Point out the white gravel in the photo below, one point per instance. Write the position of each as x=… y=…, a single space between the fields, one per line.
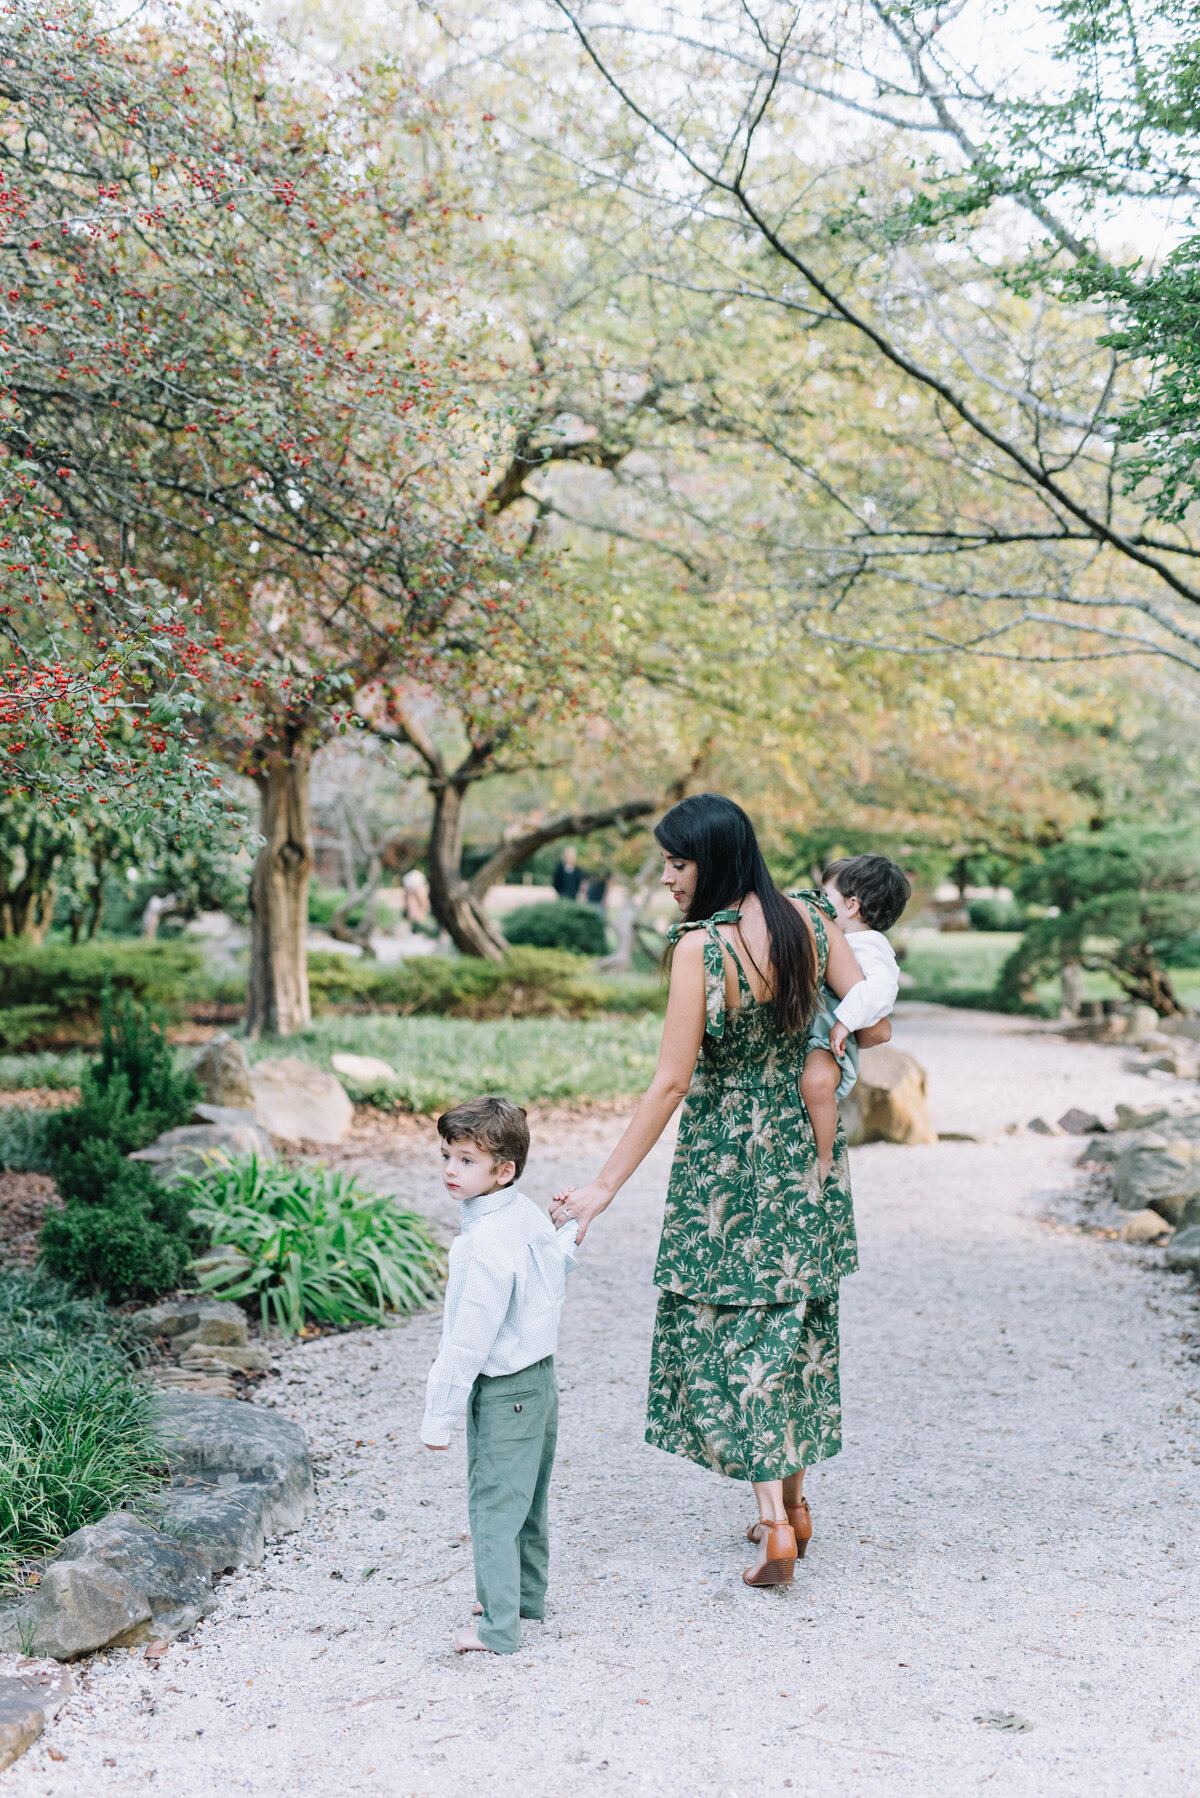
x=1010 y=1529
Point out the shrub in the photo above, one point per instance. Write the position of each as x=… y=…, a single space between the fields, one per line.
x=20 y=1073
x=528 y=982
x=996 y=914
x=23 y=1145
x=558 y=925
x=311 y=1244
x=51 y=987
x=77 y=1436
x=122 y=1233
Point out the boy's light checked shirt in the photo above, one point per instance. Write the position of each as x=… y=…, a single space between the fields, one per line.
x=504 y=1297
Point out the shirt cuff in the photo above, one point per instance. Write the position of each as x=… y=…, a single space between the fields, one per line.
x=436 y=1430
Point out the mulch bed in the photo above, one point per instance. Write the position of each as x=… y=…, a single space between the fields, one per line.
x=24 y=1200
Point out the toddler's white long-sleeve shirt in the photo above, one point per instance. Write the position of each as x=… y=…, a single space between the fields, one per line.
x=504 y=1297
x=873 y=998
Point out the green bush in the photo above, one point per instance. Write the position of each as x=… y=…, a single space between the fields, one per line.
x=122 y=1233
x=77 y=1437
x=528 y=982
x=996 y=914
x=55 y=987
x=558 y=925
x=311 y=1244
x=23 y=1145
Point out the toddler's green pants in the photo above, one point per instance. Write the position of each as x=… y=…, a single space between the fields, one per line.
x=512 y=1428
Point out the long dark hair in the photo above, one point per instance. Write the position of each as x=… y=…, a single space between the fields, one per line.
x=717 y=835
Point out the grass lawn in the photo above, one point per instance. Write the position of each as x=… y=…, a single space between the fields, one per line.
x=439 y=1061
x=955 y=964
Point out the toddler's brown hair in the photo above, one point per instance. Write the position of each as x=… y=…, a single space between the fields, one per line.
x=496 y=1124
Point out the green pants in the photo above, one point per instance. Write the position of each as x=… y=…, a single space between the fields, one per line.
x=512 y=1429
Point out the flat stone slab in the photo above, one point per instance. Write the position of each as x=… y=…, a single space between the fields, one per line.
x=189 y=1149
x=27 y=1699
x=186 y=1322
x=239 y=1475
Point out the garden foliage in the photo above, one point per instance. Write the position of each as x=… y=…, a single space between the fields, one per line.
x=77 y=1436
x=558 y=925
x=312 y=1245
x=121 y=1233
x=57 y=989
x=529 y=982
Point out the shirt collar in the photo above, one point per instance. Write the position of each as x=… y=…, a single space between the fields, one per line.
x=487 y=1202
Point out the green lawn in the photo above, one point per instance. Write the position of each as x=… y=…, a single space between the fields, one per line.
x=439 y=1061
x=958 y=964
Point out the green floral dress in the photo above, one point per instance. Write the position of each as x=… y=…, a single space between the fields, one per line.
x=744 y=1364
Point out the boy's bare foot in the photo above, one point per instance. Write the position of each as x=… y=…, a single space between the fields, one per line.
x=468 y=1640
x=477 y=1609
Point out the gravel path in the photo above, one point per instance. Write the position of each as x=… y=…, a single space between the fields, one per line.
x=1009 y=1533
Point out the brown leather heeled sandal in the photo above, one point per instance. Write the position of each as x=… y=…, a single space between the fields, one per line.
x=777 y=1553
x=800 y=1518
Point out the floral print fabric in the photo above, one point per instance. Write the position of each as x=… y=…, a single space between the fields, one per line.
x=750 y=1390
x=745 y=1356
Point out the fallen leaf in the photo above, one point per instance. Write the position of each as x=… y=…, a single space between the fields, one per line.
x=56 y=1754
x=156 y=1650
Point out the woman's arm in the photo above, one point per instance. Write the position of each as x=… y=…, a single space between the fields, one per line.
x=683 y=1033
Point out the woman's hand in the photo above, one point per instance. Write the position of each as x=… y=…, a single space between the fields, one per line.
x=582 y=1203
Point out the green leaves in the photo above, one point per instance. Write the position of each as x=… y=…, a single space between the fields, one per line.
x=312 y=1245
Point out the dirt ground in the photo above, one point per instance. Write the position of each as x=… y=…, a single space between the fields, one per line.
x=1001 y=1592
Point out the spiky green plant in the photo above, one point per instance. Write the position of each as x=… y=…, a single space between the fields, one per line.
x=313 y=1245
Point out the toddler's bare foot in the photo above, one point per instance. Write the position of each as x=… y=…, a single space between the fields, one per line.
x=468 y=1640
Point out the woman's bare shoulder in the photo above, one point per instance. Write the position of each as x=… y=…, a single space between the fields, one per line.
x=689 y=950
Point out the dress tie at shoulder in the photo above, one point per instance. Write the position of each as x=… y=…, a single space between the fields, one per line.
x=714 y=965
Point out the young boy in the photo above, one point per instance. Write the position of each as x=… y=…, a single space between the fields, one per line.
x=504 y=1297
x=868 y=893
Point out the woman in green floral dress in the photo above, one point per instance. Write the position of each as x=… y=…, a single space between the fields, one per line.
x=744 y=1364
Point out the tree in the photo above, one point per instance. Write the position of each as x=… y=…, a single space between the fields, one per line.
x=1125 y=900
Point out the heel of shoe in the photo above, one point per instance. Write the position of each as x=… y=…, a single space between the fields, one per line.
x=801 y=1546
x=773 y=1573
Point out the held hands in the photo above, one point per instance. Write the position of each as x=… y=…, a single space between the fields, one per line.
x=582 y=1203
x=837 y=1040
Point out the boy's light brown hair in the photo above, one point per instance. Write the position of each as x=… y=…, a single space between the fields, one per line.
x=495 y=1124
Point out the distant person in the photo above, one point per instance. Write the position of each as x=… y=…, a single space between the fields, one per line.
x=508 y=1277
x=568 y=876
x=868 y=894
x=416 y=897
x=597 y=890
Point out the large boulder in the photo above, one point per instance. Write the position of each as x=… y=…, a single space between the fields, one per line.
x=299 y=1102
x=172 y=1578
x=224 y=1073
x=239 y=1475
x=369 y=1072
x=1183 y=1251
x=192 y=1147
x=889 y=1102
x=1159 y=1170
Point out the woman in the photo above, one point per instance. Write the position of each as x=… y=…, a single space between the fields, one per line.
x=744 y=1364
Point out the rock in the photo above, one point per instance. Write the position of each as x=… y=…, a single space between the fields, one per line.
x=27 y=1699
x=1159 y=1170
x=250 y=1360
x=889 y=1102
x=366 y=1071
x=1100 y=1152
x=1080 y=1123
x=1040 y=1127
x=190 y=1148
x=230 y=1115
x=224 y=1073
x=187 y=1321
x=1141 y=1023
x=1183 y=1251
x=1185 y=1027
x=239 y=1475
x=1130 y=1118
x=80 y=1606
x=172 y=1578
x=1144 y=1226
x=299 y=1102
x=212 y=1382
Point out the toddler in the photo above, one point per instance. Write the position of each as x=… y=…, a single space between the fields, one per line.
x=504 y=1296
x=868 y=893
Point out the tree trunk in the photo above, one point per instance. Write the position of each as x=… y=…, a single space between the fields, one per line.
x=633 y=908
x=1146 y=982
x=1071 y=974
x=279 y=1004
x=27 y=909
x=454 y=906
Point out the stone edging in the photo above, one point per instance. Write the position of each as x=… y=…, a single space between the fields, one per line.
x=239 y=1476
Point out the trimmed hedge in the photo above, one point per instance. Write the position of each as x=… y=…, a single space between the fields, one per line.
x=560 y=924
x=55 y=988
x=528 y=983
